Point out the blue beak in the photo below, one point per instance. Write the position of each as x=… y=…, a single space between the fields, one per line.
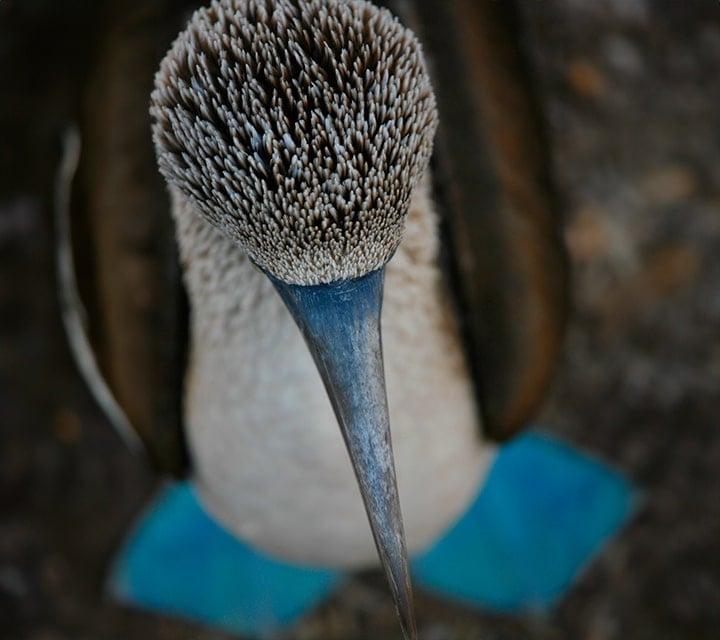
x=341 y=325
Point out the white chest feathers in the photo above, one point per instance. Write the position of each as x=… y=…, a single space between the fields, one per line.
x=268 y=456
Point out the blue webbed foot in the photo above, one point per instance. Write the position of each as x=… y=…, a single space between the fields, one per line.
x=541 y=516
x=179 y=561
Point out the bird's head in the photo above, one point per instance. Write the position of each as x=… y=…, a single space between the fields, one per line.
x=299 y=129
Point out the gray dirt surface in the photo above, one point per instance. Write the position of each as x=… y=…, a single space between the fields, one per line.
x=631 y=92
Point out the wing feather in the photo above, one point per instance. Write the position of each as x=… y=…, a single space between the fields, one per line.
x=123 y=241
x=503 y=222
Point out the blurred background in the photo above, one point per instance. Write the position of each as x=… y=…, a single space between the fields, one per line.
x=631 y=95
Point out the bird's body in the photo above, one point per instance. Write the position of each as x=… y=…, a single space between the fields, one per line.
x=292 y=135
x=268 y=457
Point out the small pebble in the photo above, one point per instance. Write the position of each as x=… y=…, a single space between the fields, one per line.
x=66 y=426
x=623 y=56
x=669 y=184
x=586 y=235
x=585 y=79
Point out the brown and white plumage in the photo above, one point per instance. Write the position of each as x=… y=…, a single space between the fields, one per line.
x=419 y=328
x=299 y=132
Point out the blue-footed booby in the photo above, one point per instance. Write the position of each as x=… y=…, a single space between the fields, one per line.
x=294 y=138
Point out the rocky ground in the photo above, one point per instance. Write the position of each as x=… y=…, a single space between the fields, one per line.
x=631 y=91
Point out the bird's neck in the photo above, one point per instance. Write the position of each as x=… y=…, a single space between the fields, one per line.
x=258 y=415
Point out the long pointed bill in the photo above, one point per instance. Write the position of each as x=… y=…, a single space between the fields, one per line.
x=341 y=325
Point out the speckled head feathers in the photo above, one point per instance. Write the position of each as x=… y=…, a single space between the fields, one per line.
x=299 y=128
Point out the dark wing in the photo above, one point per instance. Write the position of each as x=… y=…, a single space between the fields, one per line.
x=503 y=222
x=121 y=239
